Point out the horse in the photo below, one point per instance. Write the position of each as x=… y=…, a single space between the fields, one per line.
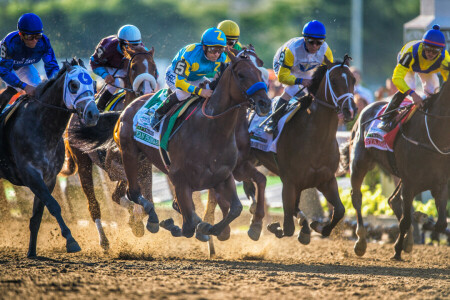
x=140 y=80
x=32 y=150
x=307 y=152
x=422 y=145
x=203 y=150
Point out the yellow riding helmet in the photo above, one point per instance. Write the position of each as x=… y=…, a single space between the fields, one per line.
x=230 y=28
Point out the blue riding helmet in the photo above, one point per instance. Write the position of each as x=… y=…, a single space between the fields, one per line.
x=214 y=37
x=434 y=37
x=30 y=24
x=314 y=29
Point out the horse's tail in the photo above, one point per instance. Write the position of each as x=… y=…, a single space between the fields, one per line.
x=98 y=137
x=69 y=167
x=344 y=162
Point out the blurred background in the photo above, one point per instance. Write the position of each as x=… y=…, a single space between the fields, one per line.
x=75 y=27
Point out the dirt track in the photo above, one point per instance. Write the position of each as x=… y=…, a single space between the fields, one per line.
x=160 y=267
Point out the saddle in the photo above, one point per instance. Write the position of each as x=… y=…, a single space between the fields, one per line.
x=115 y=100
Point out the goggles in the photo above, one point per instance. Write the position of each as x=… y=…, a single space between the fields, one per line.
x=30 y=37
x=215 y=50
x=315 y=42
x=433 y=50
x=231 y=42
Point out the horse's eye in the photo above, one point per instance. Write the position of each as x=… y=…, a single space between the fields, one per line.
x=240 y=76
x=74 y=86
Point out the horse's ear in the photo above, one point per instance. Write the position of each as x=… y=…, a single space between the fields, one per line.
x=347 y=60
x=231 y=56
x=81 y=63
x=74 y=62
x=251 y=47
x=327 y=61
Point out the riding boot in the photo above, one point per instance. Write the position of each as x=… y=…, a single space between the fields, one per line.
x=272 y=124
x=103 y=100
x=386 y=120
x=163 y=109
x=6 y=96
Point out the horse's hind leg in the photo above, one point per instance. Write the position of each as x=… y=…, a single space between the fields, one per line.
x=209 y=218
x=405 y=222
x=440 y=194
x=289 y=194
x=35 y=223
x=87 y=184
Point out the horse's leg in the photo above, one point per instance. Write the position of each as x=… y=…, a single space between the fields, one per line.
x=186 y=205
x=209 y=218
x=440 y=195
x=87 y=184
x=330 y=190
x=304 y=236
x=130 y=159
x=35 y=223
x=250 y=192
x=225 y=190
x=395 y=201
x=405 y=222
x=37 y=185
x=289 y=195
x=224 y=205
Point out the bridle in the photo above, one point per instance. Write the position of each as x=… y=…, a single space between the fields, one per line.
x=247 y=93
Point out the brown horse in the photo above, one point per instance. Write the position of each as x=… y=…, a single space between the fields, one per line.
x=307 y=152
x=421 y=158
x=203 y=152
x=141 y=72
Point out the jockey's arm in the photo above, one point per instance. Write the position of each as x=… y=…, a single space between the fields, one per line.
x=98 y=60
x=50 y=64
x=445 y=66
x=400 y=71
x=286 y=64
x=182 y=71
x=6 y=69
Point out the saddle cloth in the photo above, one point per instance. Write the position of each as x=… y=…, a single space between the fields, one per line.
x=261 y=140
x=377 y=138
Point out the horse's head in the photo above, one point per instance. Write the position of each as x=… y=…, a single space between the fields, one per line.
x=79 y=92
x=336 y=87
x=249 y=79
x=142 y=72
x=258 y=62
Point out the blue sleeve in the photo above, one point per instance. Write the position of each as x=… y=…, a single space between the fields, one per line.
x=50 y=63
x=6 y=68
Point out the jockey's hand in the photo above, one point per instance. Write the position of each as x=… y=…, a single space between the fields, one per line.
x=306 y=82
x=30 y=90
x=417 y=99
x=206 y=93
x=109 y=79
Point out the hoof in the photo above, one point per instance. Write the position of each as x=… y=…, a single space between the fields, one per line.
x=137 y=227
x=408 y=243
x=104 y=244
x=253 y=208
x=204 y=228
x=360 y=247
x=254 y=232
x=201 y=237
x=316 y=226
x=152 y=227
x=304 y=238
x=72 y=246
x=31 y=254
x=225 y=234
x=167 y=224
x=176 y=231
x=275 y=228
x=397 y=257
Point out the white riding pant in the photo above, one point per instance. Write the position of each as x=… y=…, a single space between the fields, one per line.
x=430 y=81
x=29 y=75
x=171 y=77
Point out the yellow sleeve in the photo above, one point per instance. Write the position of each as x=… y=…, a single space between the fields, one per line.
x=182 y=71
x=329 y=55
x=445 y=66
x=400 y=71
x=286 y=63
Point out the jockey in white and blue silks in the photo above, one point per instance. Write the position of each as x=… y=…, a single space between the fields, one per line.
x=19 y=50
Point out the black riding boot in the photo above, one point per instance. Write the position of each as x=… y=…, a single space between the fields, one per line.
x=103 y=100
x=6 y=96
x=163 y=109
x=386 y=120
x=272 y=124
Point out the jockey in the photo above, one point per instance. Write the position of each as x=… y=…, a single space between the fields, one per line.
x=108 y=60
x=188 y=70
x=19 y=50
x=232 y=32
x=295 y=62
x=426 y=58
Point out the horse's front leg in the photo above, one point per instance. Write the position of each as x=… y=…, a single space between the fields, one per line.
x=35 y=182
x=184 y=200
x=225 y=190
x=405 y=222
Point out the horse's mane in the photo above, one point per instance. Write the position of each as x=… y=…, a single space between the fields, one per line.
x=44 y=85
x=318 y=76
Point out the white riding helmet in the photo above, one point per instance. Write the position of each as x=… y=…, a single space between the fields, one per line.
x=130 y=34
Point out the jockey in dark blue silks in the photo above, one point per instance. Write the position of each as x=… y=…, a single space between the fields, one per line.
x=19 y=50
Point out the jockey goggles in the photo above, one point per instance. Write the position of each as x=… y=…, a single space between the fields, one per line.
x=231 y=42
x=30 y=37
x=215 y=50
x=314 y=41
x=433 y=50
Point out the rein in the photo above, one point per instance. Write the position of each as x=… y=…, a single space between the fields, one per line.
x=54 y=106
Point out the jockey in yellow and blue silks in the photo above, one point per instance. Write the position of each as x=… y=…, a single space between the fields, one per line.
x=426 y=58
x=189 y=68
x=232 y=32
x=295 y=62
x=19 y=50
